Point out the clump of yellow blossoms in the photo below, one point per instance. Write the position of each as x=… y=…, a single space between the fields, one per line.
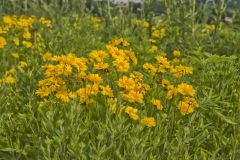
x=110 y=74
x=2 y=42
x=24 y=33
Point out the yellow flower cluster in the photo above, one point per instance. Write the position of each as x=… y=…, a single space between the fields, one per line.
x=133 y=90
x=110 y=74
x=22 y=27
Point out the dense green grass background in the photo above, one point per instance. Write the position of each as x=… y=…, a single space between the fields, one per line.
x=71 y=131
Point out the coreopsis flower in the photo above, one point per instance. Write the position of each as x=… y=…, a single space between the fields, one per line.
x=65 y=95
x=176 y=60
x=159 y=33
x=27 y=44
x=16 y=41
x=121 y=64
x=45 y=21
x=116 y=53
x=50 y=85
x=81 y=76
x=137 y=76
x=171 y=92
x=163 y=61
x=166 y=83
x=149 y=121
x=210 y=27
x=132 y=56
x=80 y=64
x=157 y=103
x=94 y=89
x=2 y=30
x=153 y=49
x=112 y=103
x=27 y=35
x=47 y=56
x=10 y=80
x=7 y=20
x=11 y=71
x=150 y=68
x=133 y=96
x=3 y=42
x=180 y=71
x=132 y=112
x=22 y=65
x=176 y=53
x=186 y=89
x=85 y=94
x=152 y=40
x=100 y=66
x=143 y=88
x=145 y=24
x=44 y=91
x=187 y=105
x=127 y=83
x=98 y=55
x=107 y=91
x=95 y=78
x=56 y=70
x=119 y=41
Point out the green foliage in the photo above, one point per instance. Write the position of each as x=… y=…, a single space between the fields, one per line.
x=72 y=131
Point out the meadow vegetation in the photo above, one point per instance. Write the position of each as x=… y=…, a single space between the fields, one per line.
x=97 y=80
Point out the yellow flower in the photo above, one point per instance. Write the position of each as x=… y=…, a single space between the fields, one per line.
x=98 y=55
x=11 y=71
x=2 y=30
x=176 y=53
x=107 y=91
x=153 y=49
x=112 y=103
x=145 y=24
x=187 y=105
x=163 y=60
x=45 y=21
x=159 y=33
x=166 y=83
x=186 y=89
x=27 y=44
x=27 y=35
x=210 y=27
x=133 y=96
x=127 y=83
x=100 y=66
x=121 y=64
x=152 y=40
x=22 y=65
x=157 y=103
x=2 y=42
x=16 y=41
x=171 y=92
x=95 y=78
x=149 y=121
x=132 y=112
x=180 y=71
x=150 y=68
x=65 y=95
x=132 y=56
x=47 y=56
x=10 y=80
x=137 y=76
